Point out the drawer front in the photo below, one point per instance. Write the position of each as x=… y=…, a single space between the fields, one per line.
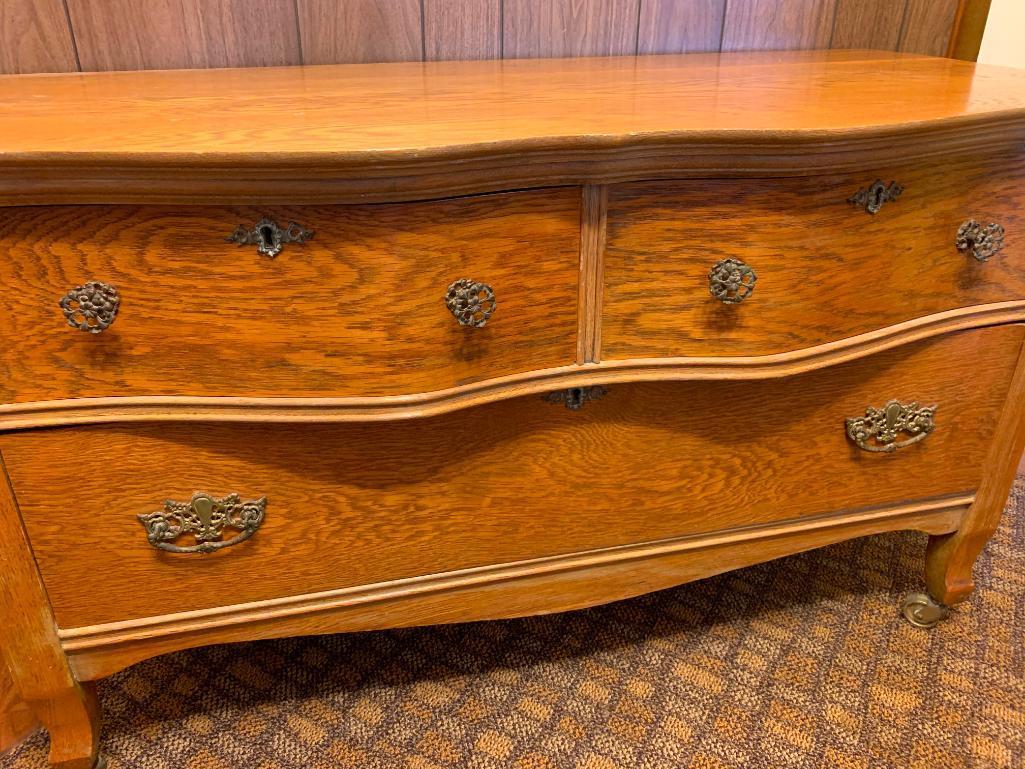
x=354 y=504
x=825 y=269
x=359 y=309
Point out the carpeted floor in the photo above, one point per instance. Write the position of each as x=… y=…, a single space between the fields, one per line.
x=803 y=662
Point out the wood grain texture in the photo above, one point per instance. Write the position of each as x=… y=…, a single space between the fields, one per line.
x=360 y=310
x=30 y=651
x=752 y=25
x=511 y=590
x=351 y=133
x=179 y=34
x=16 y=718
x=569 y=28
x=868 y=24
x=669 y=26
x=77 y=411
x=826 y=269
x=364 y=503
x=593 y=208
x=928 y=26
x=35 y=37
x=462 y=29
x=969 y=27
x=950 y=558
x=336 y=31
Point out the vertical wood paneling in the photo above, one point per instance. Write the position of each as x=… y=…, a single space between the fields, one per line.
x=570 y=28
x=868 y=24
x=341 y=31
x=41 y=36
x=753 y=25
x=463 y=29
x=172 y=34
x=928 y=26
x=34 y=37
x=671 y=26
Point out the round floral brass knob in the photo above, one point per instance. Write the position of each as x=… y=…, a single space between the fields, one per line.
x=731 y=281
x=91 y=307
x=470 y=302
x=978 y=240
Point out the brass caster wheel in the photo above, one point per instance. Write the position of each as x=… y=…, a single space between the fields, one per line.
x=922 y=611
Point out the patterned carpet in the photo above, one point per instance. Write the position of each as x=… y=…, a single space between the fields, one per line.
x=803 y=662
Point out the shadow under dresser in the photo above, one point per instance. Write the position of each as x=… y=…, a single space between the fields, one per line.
x=284 y=353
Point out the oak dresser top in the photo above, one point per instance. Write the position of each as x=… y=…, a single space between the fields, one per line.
x=482 y=125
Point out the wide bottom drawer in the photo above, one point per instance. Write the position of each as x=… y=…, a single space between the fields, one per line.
x=356 y=504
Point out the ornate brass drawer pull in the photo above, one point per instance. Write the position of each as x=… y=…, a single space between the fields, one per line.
x=731 y=281
x=206 y=517
x=575 y=397
x=981 y=242
x=92 y=307
x=871 y=198
x=470 y=302
x=268 y=237
x=879 y=428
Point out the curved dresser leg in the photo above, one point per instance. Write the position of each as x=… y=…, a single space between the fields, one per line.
x=73 y=720
x=32 y=651
x=949 y=558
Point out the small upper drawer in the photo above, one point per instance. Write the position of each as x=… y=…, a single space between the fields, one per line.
x=359 y=308
x=825 y=268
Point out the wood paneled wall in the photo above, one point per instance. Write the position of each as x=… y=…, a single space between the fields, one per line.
x=68 y=35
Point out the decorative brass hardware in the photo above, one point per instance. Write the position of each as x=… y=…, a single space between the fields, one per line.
x=206 y=517
x=878 y=429
x=871 y=198
x=470 y=302
x=268 y=237
x=922 y=611
x=575 y=397
x=92 y=307
x=981 y=242
x=731 y=281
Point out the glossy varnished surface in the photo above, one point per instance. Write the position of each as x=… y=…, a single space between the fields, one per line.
x=357 y=504
x=357 y=311
x=827 y=270
x=510 y=122
x=392 y=108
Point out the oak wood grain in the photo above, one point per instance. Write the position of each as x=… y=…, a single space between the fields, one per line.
x=462 y=29
x=868 y=24
x=511 y=590
x=359 y=310
x=951 y=558
x=928 y=26
x=173 y=34
x=593 y=210
x=669 y=26
x=75 y=411
x=350 y=133
x=35 y=37
x=768 y=24
x=30 y=651
x=335 y=31
x=826 y=269
x=363 y=503
x=16 y=718
x=569 y=28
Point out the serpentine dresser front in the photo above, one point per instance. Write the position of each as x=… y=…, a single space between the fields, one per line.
x=295 y=351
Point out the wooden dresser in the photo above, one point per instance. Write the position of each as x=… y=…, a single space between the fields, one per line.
x=309 y=350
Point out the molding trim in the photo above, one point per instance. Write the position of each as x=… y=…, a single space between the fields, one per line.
x=75 y=411
x=315 y=178
x=526 y=587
